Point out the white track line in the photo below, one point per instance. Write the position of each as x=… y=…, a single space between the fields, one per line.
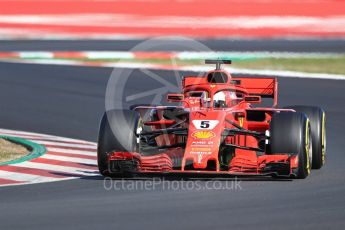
x=53 y=139
x=59 y=168
x=20 y=176
x=72 y=145
x=203 y=68
x=69 y=159
x=71 y=151
x=289 y=74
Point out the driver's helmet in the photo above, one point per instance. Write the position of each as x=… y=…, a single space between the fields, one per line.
x=232 y=98
x=219 y=100
x=232 y=95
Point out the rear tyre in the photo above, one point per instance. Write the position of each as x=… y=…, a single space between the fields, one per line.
x=117 y=132
x=317 y=118
x=290 y=134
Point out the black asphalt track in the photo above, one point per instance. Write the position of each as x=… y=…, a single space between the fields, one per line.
x=69 y=101
x=284 y=45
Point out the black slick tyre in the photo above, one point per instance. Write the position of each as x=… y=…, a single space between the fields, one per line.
x=317 y=118
x=117 y=132
x=290 y=134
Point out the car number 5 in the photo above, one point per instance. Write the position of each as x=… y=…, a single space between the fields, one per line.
x=205 y=124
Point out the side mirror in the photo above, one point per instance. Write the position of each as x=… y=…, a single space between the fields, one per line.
x=175 y=97
x=252 y=99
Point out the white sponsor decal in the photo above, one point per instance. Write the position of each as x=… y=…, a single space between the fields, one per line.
x=205 y=124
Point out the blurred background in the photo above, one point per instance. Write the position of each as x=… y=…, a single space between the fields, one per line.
x=303 y=36
x=38 y=19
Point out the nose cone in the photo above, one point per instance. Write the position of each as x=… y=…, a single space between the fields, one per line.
x=204 y=135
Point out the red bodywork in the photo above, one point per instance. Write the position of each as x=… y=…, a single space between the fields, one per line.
x=231 y=139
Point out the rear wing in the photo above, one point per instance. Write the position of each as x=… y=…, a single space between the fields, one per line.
x=264 y=87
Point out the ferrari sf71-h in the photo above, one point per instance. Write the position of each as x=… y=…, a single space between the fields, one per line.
x=215 y=127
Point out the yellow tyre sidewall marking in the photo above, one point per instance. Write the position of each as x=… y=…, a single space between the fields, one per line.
x=307 y=146
x=323 y=138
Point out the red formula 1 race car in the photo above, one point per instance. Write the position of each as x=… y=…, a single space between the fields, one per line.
x=217 y=128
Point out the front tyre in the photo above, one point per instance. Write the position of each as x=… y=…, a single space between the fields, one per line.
x=117 y=132
x=290 y=134
x=317 y=119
